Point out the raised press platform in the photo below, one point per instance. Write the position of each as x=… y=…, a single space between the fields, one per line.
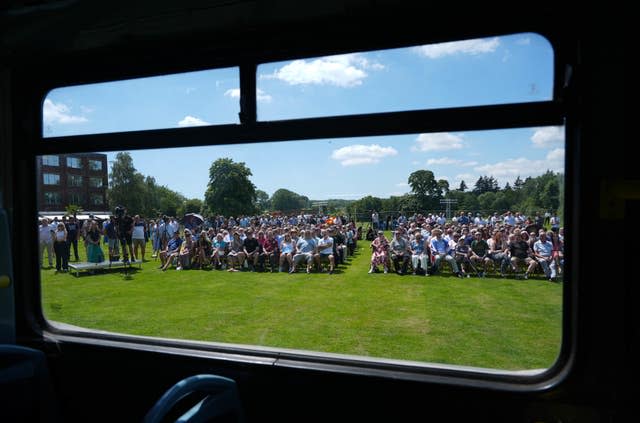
x=87 y=267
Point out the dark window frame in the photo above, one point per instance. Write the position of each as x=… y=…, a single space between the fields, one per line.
x=557 y=111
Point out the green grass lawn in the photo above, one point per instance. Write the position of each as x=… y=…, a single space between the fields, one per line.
x=494 y=323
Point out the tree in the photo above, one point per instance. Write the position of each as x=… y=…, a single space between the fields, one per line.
x=171 y=202
x=193 y=205
x=285 y=200
x=443 y=187
x=72 y=210
x=363 y=207
x=425 y=189
x=463 y=187
x=262 y=200
x=481 y=186
x=518 y=183
x=230 y=192
x=550 y=192
x=485 y=201
x=126 y=186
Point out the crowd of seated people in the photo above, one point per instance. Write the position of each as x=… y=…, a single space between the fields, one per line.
x=288 y=248
x=420 y=244
x=507 y=244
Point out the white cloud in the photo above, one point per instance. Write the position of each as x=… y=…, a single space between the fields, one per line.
x=260 y=94
x=192 y=121
x=508 y=170
x=556 y=155
x=362 y=154
x=548 y=137
x=402 y=184
x=233 y=93
x=346 y=70
x=438 y=141
x=473 y=47
x=524 y=41
x=450 y=161
x=442 y=161
x=59 y=113
x=466 y=177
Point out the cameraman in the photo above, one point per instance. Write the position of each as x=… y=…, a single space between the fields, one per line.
x=124 y=226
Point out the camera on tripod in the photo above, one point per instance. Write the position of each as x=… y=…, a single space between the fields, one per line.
x=119 y=211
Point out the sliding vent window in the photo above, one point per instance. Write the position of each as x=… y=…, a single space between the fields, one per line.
x=496 y=70
x=172 y=101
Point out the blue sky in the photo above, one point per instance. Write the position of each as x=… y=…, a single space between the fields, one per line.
x=495 y=70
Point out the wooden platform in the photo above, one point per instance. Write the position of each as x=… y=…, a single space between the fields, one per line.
x=87 y=267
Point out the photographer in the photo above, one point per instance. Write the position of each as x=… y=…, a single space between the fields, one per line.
x=124 y=226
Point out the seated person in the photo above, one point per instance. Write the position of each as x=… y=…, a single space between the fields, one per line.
x=235 y=256
x=186 y=251
x=380 y=251
x=287 y=248
x=203 y=250
x=543 y=254
x=440 y=251
x=219 y=252
x=339 y=244
x=306 y=249
x=270 y=251
x=370 y=234
x=480 y=252
x=171 y=251
x=251 y=249
x=519 y=252
x=325 y=251
x=419 y=254
x=497 y=250
x=400 y=253
x=462 y=253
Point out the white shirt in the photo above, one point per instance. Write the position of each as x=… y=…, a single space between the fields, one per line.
x=45 y=233
x=326 y=245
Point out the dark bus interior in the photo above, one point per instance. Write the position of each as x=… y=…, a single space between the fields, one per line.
x=58 y=375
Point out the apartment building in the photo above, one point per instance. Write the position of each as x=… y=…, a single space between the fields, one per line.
x=80 y=179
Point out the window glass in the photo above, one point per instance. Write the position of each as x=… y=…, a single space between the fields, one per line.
x=95 y=182
x=51 y=179
x=97 y=199
x=75 y=198
x=74 y=181
x=52 y=198
x=95 y=165
x=173 y=101
x=50 y=160
x=495 y=70
x=484 y=181
x=74 y=162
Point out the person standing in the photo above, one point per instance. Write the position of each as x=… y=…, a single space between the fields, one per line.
x=73 y=231
x=124 y=224
x=45 y=239
x=94 y=250
x=110 y=232
x=138 y=238
x=60 y=248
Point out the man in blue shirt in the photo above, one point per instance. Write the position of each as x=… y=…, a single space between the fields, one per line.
x=440 y=250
